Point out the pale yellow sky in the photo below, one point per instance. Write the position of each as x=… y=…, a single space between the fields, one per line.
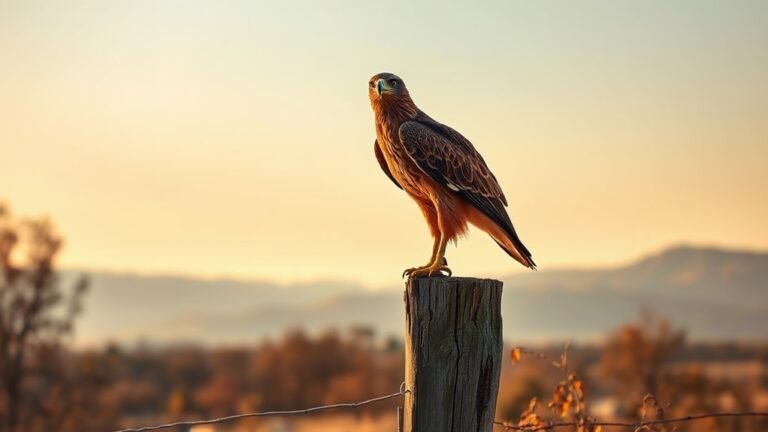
x=235 y=137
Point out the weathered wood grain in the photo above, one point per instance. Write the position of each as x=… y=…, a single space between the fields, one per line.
x=453 y=350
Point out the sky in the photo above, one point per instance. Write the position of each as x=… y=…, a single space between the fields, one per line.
x=235 y=138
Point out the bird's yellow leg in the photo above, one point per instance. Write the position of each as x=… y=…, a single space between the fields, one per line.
x=437 y=266
x=435 y=249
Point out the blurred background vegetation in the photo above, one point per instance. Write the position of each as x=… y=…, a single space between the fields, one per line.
x=48 y=383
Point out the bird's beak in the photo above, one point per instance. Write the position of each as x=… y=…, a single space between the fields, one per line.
x=382 y=87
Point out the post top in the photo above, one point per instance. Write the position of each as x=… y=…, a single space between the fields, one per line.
x=447 y=280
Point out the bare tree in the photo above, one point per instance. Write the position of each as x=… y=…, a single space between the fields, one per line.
x=36 y=312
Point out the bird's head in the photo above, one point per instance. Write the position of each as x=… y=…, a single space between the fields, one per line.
x=386 y=85
x=388 y=91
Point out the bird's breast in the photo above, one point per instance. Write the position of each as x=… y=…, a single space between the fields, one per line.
x=402 y=167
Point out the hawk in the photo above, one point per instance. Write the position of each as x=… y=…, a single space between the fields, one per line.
x=440 y=170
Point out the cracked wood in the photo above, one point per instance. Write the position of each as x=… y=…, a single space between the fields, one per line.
x=453 y=347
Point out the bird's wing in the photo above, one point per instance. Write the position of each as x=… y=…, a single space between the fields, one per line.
x=383 y=163
x=452 y=161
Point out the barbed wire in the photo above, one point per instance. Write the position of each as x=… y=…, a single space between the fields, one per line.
x=637 y=427
x=400 y=392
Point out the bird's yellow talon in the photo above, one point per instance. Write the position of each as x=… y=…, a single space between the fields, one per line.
x=410 y=271
x=430 y=271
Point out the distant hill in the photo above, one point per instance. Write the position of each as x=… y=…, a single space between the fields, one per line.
x=713 y=293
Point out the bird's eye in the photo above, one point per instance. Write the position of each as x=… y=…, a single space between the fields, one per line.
x=393 y=82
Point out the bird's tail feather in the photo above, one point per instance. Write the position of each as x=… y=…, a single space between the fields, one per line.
x=511 y=244
x=514 y=253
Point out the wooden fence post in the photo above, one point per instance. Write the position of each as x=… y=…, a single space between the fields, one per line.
x=453 y=350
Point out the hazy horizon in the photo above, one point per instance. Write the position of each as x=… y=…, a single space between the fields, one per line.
x=397 y=280
x=714 y=294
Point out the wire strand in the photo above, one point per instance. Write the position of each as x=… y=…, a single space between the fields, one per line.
x=401 y=392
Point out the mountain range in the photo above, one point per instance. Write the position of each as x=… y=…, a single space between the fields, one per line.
x=712 y=293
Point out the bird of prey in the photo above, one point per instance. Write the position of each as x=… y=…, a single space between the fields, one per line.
x=441 y=170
